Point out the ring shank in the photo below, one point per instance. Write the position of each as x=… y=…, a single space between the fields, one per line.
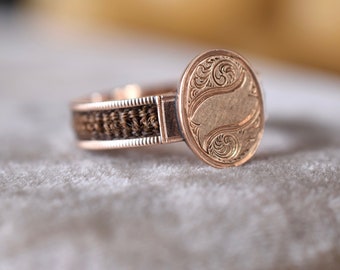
x=126 y=117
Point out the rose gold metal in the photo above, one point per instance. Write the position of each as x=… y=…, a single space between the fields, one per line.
x=220 y=108
x=217 y=110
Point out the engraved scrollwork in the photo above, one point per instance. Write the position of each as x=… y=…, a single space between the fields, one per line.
x=223 y=147
x=216 y=71
x=225 y=72
x=223 y=109
x=195 y=130
x=230 y=144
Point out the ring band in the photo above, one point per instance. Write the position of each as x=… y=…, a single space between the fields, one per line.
x=217 y=110
x=124 y=118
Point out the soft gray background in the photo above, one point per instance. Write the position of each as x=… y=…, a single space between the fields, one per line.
x=157 y=207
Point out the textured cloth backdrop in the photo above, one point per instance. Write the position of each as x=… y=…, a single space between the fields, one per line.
x=157 y=207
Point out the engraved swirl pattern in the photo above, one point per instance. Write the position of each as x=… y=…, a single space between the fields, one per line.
x=216 y=71
x=220 y=76
x=224 y=147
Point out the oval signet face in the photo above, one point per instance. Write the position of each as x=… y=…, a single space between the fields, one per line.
x=220 y=108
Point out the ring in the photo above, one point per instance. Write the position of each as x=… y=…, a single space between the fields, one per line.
x=217 y=110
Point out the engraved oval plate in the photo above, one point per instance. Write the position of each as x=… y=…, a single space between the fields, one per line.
x=220 y=108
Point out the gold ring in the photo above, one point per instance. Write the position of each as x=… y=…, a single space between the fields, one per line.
x=217 y=110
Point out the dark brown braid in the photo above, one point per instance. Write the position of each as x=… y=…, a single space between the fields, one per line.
x=124 y=123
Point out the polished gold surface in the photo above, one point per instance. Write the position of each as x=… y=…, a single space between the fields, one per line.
x=221 y=108
x=217 y=110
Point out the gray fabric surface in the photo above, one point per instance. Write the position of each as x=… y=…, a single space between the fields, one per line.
x=157 y=207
